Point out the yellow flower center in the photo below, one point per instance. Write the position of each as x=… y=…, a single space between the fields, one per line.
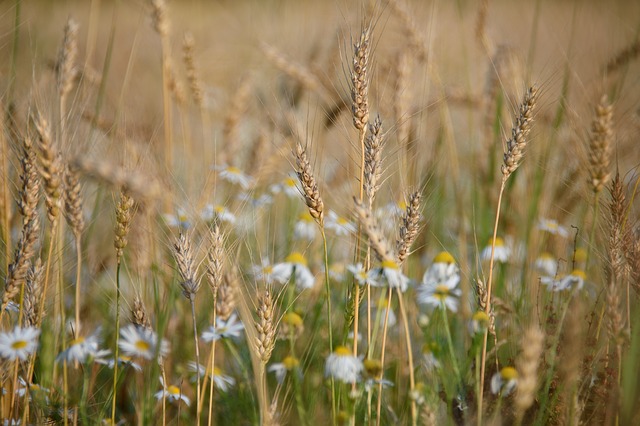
x=290 y=182
x=218 y=209
x=444 y=257
x=509 y=373
x=173 y=390
x=306 y=217
x=481 y=317
x=342 y=351
x=77 y=341
x=267 y=269
x=296 y=257
x=581 y=255
x=499 y=242
x=290 y=362
x=579 y=273
x=217 y=371
x=234 y=170
x=402 y=205
x=142 y=345
x=551 y=224
x=342 y=221
x=373 y=367
x=546 y=256
x=292 y=319
x=182 y=217
x=442 y=291
x=19 y=344
x=389 y=264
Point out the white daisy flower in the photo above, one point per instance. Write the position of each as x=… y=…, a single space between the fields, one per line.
x=221 y=213
x=235 y=176
x=83 y=348
x=371 y=384
x=255 y=202
x=502 y=252
x=295 y=265
x=395 y=209
x=443 y=270
x=343 y=366
x=33 y=388
x=479 y=323
x=232 y=327
x=547 y=265
x=263 y=272
x=552 y=227
x=288 y=186
x=361 y=275
x=178 y=220
x=220 y=380
x=172 y=393
x=142 y=342
x=575 y=279
x=504 y=381
x=336 y=271
x=305 y=227
x=123 y=361
x=19 y=343
x=339 y=225
x=280 y=369
x=429 y=359
x=291 y=326
x=389 y=273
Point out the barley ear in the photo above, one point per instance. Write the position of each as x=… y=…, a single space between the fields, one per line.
x=123 y=221
x=265 y=326
x=309 y=185
x=600 y=146
x=183 y=253
x=518 y=141
x=360 y=81
x=409 y=227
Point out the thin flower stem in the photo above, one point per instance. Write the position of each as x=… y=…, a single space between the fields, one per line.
x=407 y=335
x=195 y=338
x=213 y=363
x=78 y=278
x=384 y=344
x=115 y=363
x=452 y=352
x=488 y=301
x=328 y=291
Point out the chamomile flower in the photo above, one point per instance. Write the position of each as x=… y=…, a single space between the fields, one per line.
x=343 y=366
x=502 y=251
x=336 y=271
x=429 y=356
x=280 y=369
x=255 y=202
x=546 y=264
x=339 y=225
x=575 y=279
x=504 y=381
x=83 y=348
x=263 y=272
x=305 y=227
x=439 y=283
x=395 y=209
x=34 y=389
x=172 y=393
x=291 y=325
x=479 y=323
x=552 y=227
x=294 y=266
x=178 y=220
x=235 y=176
x=231 y=327
x=389 y=274
x=371 y=384
x=141 y=342
x=288 y=186
x=123 y=361
x=220 y=380
x=218 y=212
x=19 y=343
x=361 y=275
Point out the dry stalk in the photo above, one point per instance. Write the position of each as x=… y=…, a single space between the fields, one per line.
x=309 y=185
x=50 y=169
x=374 y=143
x=377 y=240
x=409 y=227
x=572 y=348
x=139 y=315
x=226 y=299
x=139 y=185
x=527 y=366
x=188 y=47
x=600 y=146
x=123 y=221
x=265 y=327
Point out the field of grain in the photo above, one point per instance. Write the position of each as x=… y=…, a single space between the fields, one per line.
x=370 y=212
